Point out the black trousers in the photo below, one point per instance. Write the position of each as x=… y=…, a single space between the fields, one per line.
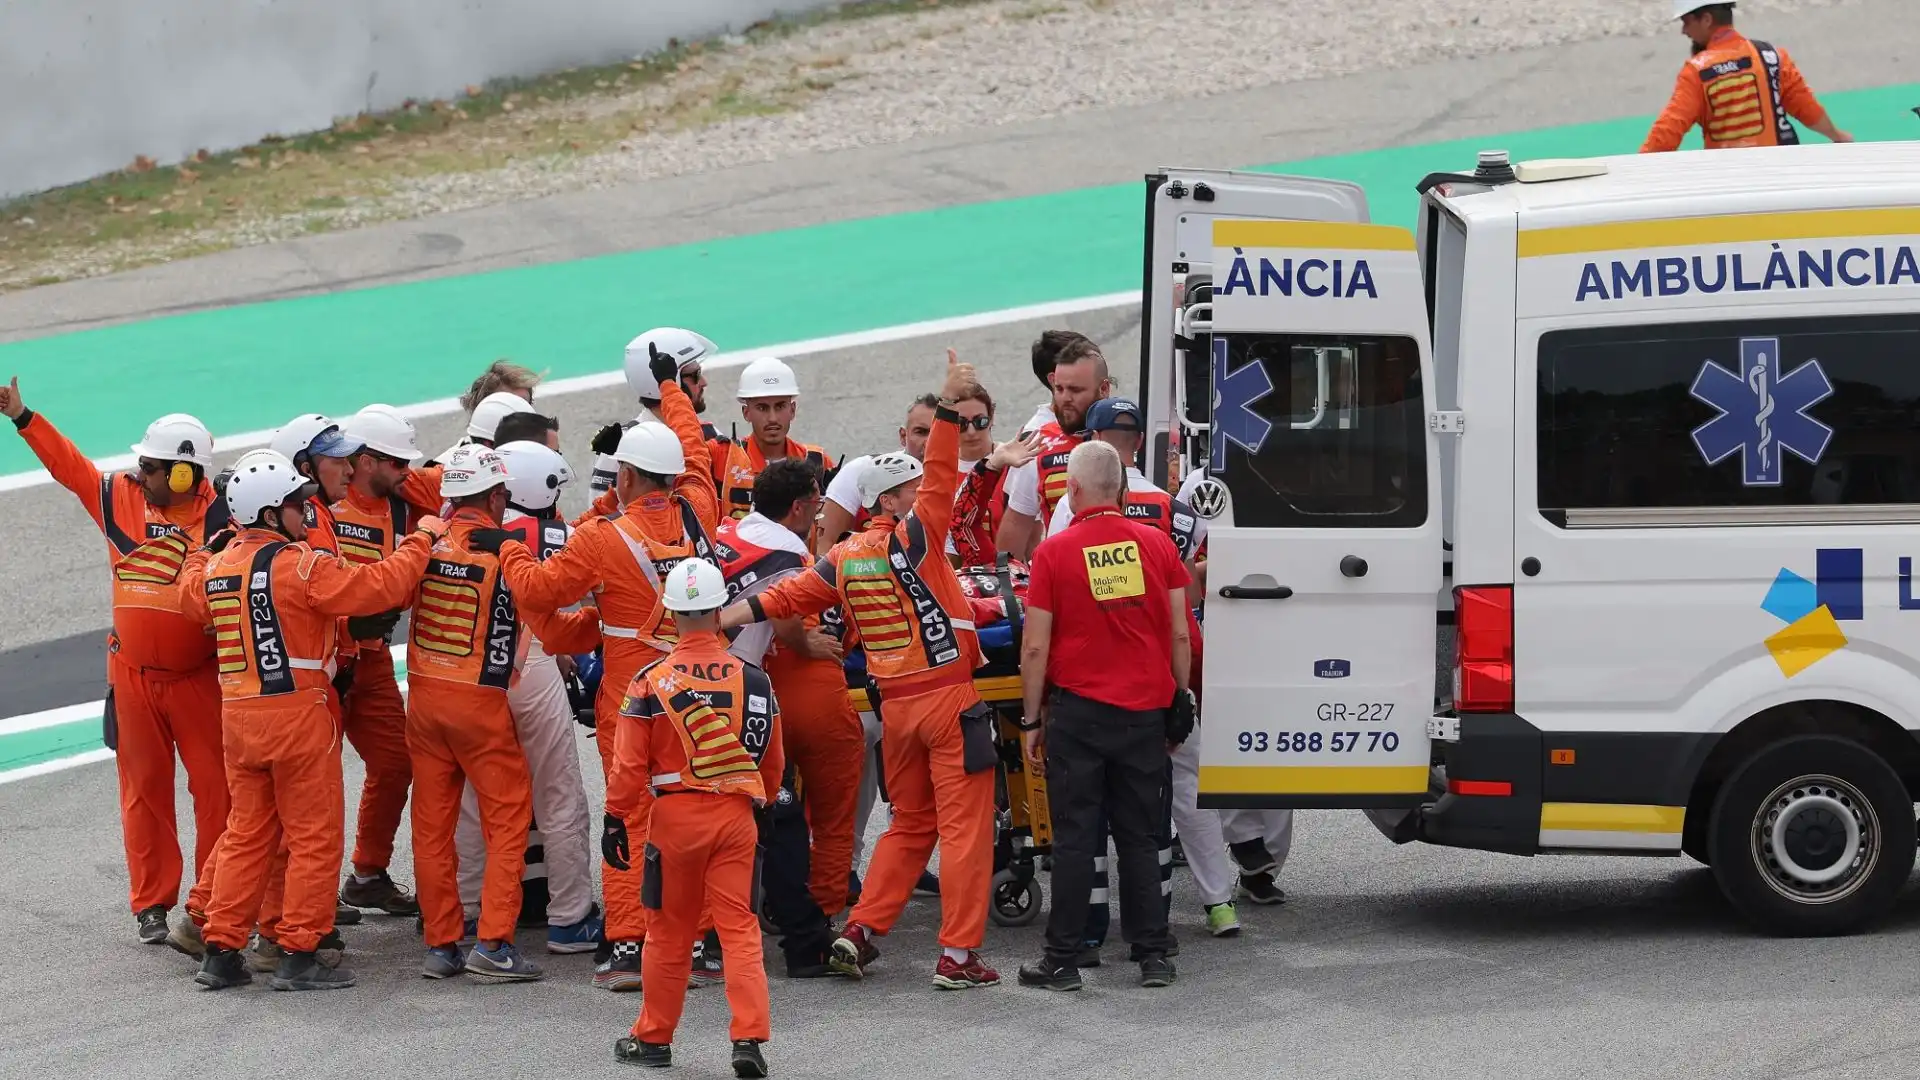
x=804 y=932
x=1101 y=758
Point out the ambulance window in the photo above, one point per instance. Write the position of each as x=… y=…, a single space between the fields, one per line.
x=1762 y=413
x=1341 y=436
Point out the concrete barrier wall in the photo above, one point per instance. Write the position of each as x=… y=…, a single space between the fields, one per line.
x=86 y=85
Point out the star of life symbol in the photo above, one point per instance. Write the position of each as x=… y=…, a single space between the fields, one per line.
x=1762 y=412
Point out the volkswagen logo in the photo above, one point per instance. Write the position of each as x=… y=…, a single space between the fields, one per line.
x=1209 y=498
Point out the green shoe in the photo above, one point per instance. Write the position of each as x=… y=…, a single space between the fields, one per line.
x=1223 y=920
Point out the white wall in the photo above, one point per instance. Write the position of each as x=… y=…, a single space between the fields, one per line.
x=86 y=85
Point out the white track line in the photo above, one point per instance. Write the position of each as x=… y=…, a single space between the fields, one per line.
x=583 y=383
x=56 y=765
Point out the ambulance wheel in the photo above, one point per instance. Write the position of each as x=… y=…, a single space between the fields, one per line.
x=1015 y=902
x=1811 y=837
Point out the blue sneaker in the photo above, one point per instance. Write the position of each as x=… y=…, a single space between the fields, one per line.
x=580 y=937
x=443 y=962
x=504 y=963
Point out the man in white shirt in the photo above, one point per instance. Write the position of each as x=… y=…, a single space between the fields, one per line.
x=1079 y=379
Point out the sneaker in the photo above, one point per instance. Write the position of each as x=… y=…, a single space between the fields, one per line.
x=223 y=968
x=443 y=962
x=1223 y=920
x=1156 y=971
x=1260 y=889
x=620 y=971
x=708 y=966
x=152 y=925
x=302 y=971
x=579 y=937
x=1087 y=957
x=963 y=975
x=1049 y=975
x=185 y=937
x=1254 y=858
x=651 y=1055
x=264 y=954
x=331 y=950
x=504 y=963
x=346 y=915
x=853 y=950
x=381 y=893
x=928 y=885
x=747 y=1059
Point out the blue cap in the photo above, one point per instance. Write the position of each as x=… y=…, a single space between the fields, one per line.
x=1114 y=414
x=333 y=443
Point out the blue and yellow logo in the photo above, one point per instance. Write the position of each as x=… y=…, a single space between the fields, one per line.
x=1814 y=610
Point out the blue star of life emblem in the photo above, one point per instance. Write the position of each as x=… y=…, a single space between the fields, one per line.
x=1762 y=413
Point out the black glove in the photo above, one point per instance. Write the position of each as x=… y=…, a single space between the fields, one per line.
x=220 y=481
x=1180 y=717
x=343 y=681
x=218 y=541
x=613 y=844
x=663 y=366
x=607 y=439
x=488 y=540
x=372 y=627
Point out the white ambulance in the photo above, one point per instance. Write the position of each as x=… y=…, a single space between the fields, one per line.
x=1648 y=430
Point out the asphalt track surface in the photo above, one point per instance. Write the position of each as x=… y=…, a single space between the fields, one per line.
x=1385 y=962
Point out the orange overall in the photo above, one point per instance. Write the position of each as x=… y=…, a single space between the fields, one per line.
x=1741 y=93
x=736 y=472
x=621 y=560
x=702 y=730
x=900 y=595
x=374 y=715
x=823 y=735
x=162 y=696
x=275 y=609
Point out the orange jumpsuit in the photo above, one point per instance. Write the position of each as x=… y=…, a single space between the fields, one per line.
x=824 y=737
x=621 y=561
x=374 y=714
x=161 y=688
x=736 y=472
x=1730 y=90
x=702 y=730
x=900 y=595
x=275 y=607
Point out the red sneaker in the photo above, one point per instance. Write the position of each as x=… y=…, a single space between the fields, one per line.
x=949 y=975
x=852 y=951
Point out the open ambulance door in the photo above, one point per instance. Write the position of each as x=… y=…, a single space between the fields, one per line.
x=1322 y=496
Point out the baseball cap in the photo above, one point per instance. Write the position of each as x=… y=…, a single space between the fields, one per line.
x=1114 y=414
x=333 y=442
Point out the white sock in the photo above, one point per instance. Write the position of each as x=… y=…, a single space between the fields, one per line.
x=958 y=956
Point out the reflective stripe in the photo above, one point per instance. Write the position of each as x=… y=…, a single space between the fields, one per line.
x=665 y=778
x=618 y=631
x=302 y=664
x=962 y=624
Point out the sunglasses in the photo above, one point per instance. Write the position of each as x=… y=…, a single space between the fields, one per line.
x=976 y=423
x=149 y=467
x=387 y=458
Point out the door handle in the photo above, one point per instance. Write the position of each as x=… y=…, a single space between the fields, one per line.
x=1255 y=592
x=1353 y=566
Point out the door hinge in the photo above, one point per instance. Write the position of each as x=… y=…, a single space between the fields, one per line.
x=1176 y=190
x=1447 y=422
x=1443 y=728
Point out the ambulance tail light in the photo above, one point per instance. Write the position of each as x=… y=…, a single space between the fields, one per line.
x=1483 y=649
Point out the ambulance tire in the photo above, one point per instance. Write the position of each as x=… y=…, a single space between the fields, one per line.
x=1814 y=780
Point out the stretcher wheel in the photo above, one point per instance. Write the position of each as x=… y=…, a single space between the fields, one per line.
x=1015 y=902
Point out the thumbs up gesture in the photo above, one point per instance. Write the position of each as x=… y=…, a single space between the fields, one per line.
x=961 y=380
x=10 y=402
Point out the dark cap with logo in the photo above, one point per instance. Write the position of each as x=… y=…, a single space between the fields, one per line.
x=1114 y=414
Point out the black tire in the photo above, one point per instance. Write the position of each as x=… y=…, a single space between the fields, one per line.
x=1782 y=820
x=1015 y=902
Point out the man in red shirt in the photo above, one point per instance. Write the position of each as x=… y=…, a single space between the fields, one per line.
x=1119 y=698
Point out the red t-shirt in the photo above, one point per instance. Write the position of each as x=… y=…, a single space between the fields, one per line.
x=1105 y=580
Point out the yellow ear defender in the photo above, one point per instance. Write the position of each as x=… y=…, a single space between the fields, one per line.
x=180 y=478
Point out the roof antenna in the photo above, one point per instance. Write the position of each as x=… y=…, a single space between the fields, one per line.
x=1494 y=168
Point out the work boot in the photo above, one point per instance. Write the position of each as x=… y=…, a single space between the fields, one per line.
x=331 y=950
x=185 y=937
x=1087 y=957
x=1050 y=975
x=152 y=924
x=1260 y=888
x=634 y=1052
x=708 y=967
x=302 y=971
x=747 y=1059
x=583 y=936
x=620 y=972
x=1156 y=971
x=503 y=962
x=264 y=954
x=1223 y=920
x=968 y=974
x=853 y=950
x=346 y=915
x=443 y=962
x=223 y=968
x=379 y=892
x=928 y=885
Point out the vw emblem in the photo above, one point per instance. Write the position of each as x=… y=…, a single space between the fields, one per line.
x=1209 y=498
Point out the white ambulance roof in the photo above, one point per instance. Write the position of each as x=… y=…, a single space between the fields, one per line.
x=1637 y=187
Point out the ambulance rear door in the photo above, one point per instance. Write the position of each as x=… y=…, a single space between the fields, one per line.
x=1324 y=549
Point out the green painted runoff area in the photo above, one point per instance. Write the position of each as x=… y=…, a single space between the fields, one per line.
x=246 y=368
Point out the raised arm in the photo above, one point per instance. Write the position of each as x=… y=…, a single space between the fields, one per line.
x=336 y=587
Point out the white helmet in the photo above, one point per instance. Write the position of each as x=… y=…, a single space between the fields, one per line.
x=652 y=447
x=1684 y=8
x=685 y=346
x=694 y=585
x=177 y=437
x=886 y=472
x=382 y=429
x=471 y=470
x=312 y=435
x=535 y=474
x=492 y=409
x=262 y=480
x=768 y=376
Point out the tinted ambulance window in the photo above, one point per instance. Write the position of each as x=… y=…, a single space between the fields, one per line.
x=1340 y=437
x=1780 y=412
